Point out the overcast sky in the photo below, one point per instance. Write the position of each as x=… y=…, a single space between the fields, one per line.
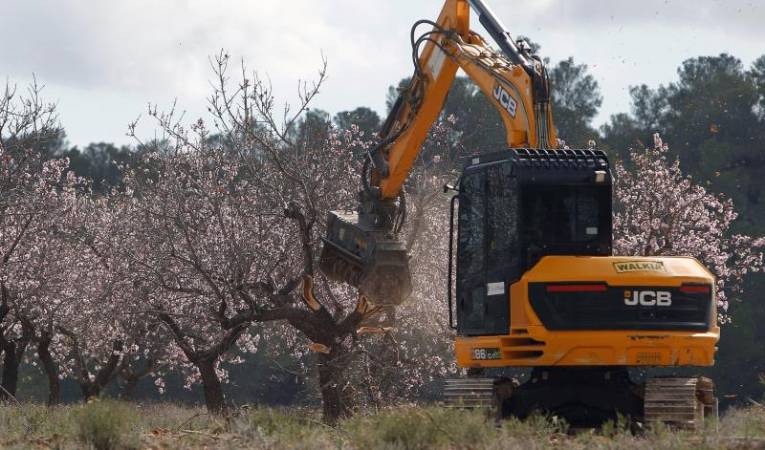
x=103 y=61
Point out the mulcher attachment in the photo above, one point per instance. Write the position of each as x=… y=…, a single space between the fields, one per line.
x=369 y=259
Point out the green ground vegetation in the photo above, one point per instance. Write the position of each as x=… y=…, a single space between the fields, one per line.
x=109 y=424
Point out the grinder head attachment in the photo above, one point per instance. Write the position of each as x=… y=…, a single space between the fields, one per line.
x=372 y=260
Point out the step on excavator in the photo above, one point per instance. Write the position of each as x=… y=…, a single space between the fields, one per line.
x=533 y=283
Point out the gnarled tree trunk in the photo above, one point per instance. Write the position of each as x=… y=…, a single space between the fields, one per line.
x=93 y=387
x=105 y=375
x=211 y=386
x=13 y=353
x=132 y=377
x=10 y=378
x=49 y=367
x=336 y=397
x=205 y=359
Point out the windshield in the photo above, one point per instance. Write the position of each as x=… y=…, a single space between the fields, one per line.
x=558 y=216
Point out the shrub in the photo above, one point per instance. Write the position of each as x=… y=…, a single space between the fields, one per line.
x=29 y=421
x=106 y=424
x=293 y=429
x=534 y=427
x=745 y=422
x=420 y=428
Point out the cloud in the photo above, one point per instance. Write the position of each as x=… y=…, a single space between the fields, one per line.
x=732 y=16
x=144 y=43
x=154 y=46
x=138 y=51
x=132 y=52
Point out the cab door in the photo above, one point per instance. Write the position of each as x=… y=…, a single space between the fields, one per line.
x=485 y=236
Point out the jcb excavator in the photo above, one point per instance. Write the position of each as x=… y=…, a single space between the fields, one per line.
x=536 y=283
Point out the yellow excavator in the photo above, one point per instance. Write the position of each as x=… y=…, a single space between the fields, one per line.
x=535 y=284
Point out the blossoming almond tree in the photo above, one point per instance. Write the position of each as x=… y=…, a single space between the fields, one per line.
x=35 y=195
x=32 y=193
x=76 y=303
x=232 y=227
x=105 y=330
x=200 y=241
x=659 y=211
x=52 y=286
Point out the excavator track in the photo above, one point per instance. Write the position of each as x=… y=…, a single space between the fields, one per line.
x=477 y=393
x=472 y=393
x=685 y=403
x=680 y=402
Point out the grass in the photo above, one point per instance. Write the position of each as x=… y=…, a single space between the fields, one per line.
x=108 y=424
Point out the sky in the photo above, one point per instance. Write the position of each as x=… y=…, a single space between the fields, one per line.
x=103 y=62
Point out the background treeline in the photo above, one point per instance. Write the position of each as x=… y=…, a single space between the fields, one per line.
x=713 y=118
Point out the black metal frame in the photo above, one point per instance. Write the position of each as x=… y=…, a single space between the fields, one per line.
x=449 y=292
x=529 y=167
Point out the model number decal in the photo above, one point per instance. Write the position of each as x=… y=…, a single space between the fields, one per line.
x=639 y=266
x=485 y=353
x=648 y=358
x=647 y=298
x=506 y=100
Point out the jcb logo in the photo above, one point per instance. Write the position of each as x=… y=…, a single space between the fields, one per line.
x=506 y=100
x=647 y=298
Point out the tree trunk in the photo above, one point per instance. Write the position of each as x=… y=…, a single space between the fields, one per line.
x=132 y=376
x=335 y=399
x=211 y=386
x=89 y=390
x=104 y=375
x=50 y=369
x=11 y=362
x=128 y=389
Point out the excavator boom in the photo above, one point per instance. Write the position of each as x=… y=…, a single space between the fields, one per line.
x=362 y=247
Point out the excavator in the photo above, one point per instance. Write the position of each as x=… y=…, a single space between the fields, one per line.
x=533 y=284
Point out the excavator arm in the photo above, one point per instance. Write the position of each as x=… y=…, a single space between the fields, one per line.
x=362 y=248
x=513 y=81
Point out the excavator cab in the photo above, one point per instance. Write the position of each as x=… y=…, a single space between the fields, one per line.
x=515 y=207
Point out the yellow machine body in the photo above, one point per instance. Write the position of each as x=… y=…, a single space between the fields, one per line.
x=529 y=343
